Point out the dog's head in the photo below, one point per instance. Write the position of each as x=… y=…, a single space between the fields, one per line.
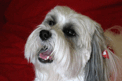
x=69 y=43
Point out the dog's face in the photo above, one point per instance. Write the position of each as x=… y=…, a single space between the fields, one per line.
x=62 y=42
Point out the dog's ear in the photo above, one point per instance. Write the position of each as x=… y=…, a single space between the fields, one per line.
x=99 y=68
x=95 y=66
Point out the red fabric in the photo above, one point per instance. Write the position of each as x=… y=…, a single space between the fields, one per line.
x=20 y=17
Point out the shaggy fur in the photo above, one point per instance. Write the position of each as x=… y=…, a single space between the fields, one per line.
x=74 y=44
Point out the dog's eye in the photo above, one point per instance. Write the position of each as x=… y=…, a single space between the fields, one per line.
x=69 y=32
x=51 y=23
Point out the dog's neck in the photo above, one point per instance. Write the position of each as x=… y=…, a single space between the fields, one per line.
x=53 y=76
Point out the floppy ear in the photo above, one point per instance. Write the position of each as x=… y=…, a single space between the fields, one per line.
x=95 y=68
x=99 y=68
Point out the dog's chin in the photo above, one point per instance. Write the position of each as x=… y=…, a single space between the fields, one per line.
x=44 y=55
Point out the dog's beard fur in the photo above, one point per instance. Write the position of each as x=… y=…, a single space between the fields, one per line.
x=76 y=57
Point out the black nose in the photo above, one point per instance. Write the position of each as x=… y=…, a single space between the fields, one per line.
x=45 y=35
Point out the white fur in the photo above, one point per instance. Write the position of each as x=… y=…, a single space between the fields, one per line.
x=70 y=54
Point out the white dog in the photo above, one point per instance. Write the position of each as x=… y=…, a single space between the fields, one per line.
x=68 y=46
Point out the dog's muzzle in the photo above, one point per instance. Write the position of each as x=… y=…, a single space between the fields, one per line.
x=44 y=54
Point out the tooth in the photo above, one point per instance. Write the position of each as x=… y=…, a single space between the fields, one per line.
x=46 y=58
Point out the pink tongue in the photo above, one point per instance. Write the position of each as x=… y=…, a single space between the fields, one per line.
x=44 y=55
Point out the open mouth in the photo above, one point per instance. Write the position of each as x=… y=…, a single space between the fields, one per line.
x=45 y=55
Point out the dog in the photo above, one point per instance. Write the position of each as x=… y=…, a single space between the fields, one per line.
x=68 y=46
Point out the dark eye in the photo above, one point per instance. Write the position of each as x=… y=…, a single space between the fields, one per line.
x=51 y=23
x=69 y=32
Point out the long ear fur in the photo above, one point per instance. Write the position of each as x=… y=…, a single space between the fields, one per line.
x=99 y=68
x=115 y=39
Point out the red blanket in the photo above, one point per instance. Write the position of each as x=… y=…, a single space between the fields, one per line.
x=19 y=17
